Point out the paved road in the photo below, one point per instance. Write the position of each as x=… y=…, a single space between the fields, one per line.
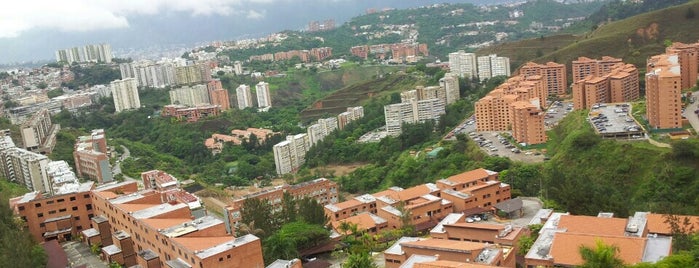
x=689 y=112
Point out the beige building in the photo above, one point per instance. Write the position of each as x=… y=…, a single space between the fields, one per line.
x=244 y=96
x=664 y=91
x=125 y=94
x=528 y=123
x=603 y=81
x=554 y=76
x=584 y=67
x=190 y=95
x=463 y=64
x=450 y=83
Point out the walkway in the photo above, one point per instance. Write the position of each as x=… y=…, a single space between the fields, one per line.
x=79 y=254
x=689 y=112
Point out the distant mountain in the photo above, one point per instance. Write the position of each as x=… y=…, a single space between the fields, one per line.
x=182 y=29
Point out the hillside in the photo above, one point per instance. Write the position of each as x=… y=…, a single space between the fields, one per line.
x=634 y=39
x=525 y=50
x=587 y=174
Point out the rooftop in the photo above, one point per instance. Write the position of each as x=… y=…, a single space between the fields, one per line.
x=238 y=241
x=191 y=226
x=396 y=248
x=449 y=219
x=157 y=210
x=468 y=176
x=445 y=245
x=147 y=254
x=111 y=250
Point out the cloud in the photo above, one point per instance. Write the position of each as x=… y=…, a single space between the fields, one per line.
x=88 y=15
x=252 y=14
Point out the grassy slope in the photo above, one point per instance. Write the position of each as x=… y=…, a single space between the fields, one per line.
x=587 y=175
x=634 y=39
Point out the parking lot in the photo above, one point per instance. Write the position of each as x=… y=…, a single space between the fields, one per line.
x=614 y=121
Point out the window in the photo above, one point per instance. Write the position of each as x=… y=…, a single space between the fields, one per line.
x=90 y=216
x=37 y=205
x=88 y=206
x=72 y=198
x=49 y=202
x=75 y=208
x=80 y=227
x=62 y=210
x=52 y=212
x=40 y=215
x=86 y=195
x=21 y=208
x=60 y=200
x=42 y=224
x=77 y=218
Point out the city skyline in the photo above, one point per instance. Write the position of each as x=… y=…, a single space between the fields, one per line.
x=31 y=32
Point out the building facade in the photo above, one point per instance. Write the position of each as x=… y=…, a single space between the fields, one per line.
x=463 y=64
x=264 y=99
x=91 y=160
x=664 y=91
x=125 y=93
x=554 y=76
x=244 y=96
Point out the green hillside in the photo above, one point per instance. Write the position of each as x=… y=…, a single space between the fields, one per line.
x=525 y=50
x=587 y=174
x=636 y=38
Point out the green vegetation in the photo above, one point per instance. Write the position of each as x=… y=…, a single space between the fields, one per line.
x=92 y=75
x=17 y=246
x=601 y=256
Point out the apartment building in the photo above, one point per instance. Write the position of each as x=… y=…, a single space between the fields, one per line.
x=352 y=114
x=38 y=133
x=465 y=227
x=87 y=53
x=554 y=76
x=91 y=160
x=190 y=114
x=491 y=66
x=264 y=99
x=603 y=81
x=563 y=234
x=365 y=222
x=410 y=112
x=218 y=95
x=190 y=95
x=422 y=202
x=324 y=126
x=479 y=188
x=664 y=91
x=244 y=96
x=192 y=74
x=463 y=64
x=149 y=74
x=61 y=216
x=156 y=228
x=290 y=154
x=688 y=59
x=322 y=190
x=125 y=94
x=429 y=252
x=450 y=83
x=26 y=168
x=528 y=123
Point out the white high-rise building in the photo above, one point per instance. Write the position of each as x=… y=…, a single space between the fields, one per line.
x=450 y=83
x=244 y=96
x=410 y=112
x=491 y=66
x=463 y=64
x=125 y=94
x=263 y=97
x=149 y=74
x=282 y=157
x=290 y=154
x=87 y=53
x=191 y=96
x=237 y=68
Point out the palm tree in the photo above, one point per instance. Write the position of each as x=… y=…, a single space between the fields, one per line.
x=602 y=256
x=249 y=228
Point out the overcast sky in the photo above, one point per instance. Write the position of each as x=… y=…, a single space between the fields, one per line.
x=34 y=29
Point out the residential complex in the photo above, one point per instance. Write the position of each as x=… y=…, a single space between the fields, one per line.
x=603 y=81
x=554 y=76
x=91 y=159
x=190 y=95
x=215 y=143
x=491 y=66
x=125 y=93
x=437 y=253
x=463 y=64
x=190 y=114
x=218 y=95
x=344 y=118
x=639 y=238
x=87 y=53
x=666 y=76
x=322 y=190
x=192 y=73
x=290 y=154
x=428 y=204
x=399 y=52
x=264 y=99
x=410 y=112
x=38 y=133
x=450 y=83
x=244 y=96
x=515 y=105
x=150 y=74
x=315 y=54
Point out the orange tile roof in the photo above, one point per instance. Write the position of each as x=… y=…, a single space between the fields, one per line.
x=164 y=223
x=134 y=207
x=106 y=194
x=593 y=225
x=348 y=204
x=473 y=225
x=469 y=176
x=442 y=244
x=411 y=193
x=364 y=221
x=451 y=264
x=656 y=223
x=202 y=243
x=565 y=248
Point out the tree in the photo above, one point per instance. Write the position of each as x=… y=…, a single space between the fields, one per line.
x=602 y=256
x=682 y=229
x=259 y=213
x=279 y=246
x=310 y=211
x=359 y=260
x=289 y=209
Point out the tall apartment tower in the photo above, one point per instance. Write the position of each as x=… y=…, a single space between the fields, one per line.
x=463 y=64
x=87 y=53
x=554 y=75
x=618 y=83
x=584 y=67
x=263 y=97
x=218 y=95
x=191 y=96
x=528 y=123
x=244 y=96
x=90 y=155
x=36 y=132
x=492 y=65
x=688 y=58
x=290 y=154
x=26 y=168
x=237 y=68
x=450 y=83
x=664 y=91
x=125 y=94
